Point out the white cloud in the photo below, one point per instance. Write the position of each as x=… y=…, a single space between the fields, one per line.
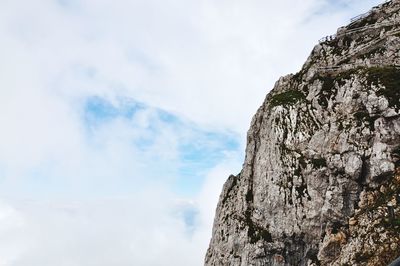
x=199 y=59
x=141 y=230
x=210 y=63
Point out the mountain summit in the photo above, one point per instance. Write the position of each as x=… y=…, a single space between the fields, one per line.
x=321 y=179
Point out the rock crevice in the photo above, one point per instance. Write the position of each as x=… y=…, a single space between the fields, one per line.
x=322 y=159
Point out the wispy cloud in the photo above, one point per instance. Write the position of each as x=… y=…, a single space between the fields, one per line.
x=123 y=146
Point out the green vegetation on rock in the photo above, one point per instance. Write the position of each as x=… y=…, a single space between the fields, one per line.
x=286 y=98
x=319 y=163
x=389 y=77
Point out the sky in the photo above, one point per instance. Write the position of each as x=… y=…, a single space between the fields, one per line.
x=121 y=120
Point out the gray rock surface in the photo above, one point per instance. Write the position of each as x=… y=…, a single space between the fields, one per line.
x=322 y=159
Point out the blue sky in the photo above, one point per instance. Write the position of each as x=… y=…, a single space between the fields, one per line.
x=120 y=120
x=198 y=151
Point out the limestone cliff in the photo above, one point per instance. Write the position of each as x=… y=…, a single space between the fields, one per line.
x=322 y=159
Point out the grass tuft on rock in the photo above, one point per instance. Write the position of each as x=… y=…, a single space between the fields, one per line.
x=286 y=98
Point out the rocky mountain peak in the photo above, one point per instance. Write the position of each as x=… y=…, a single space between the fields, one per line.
x=321 y=179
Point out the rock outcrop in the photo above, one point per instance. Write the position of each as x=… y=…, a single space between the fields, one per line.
x=321 y=177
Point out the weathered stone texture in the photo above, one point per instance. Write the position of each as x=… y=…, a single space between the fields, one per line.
x=322 y=159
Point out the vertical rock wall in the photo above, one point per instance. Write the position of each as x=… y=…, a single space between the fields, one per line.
x=322 y=159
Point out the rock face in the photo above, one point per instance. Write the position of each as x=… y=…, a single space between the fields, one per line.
x=322 y=159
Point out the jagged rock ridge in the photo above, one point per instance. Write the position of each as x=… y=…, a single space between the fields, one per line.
x=322 y=159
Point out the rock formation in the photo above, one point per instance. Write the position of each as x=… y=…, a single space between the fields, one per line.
x=321 y=177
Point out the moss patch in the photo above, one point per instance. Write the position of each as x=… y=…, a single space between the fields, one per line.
x=286 y=98
x=389 y=77
x=319 y=163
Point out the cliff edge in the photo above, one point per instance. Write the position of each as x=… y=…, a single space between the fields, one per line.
x=321 y=179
